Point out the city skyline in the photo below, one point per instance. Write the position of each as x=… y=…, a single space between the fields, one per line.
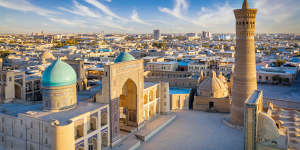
x=170 y=16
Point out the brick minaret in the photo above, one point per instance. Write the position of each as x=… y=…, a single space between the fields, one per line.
x=245 y=65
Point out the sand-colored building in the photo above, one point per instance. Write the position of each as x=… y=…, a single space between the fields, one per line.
x=15 y=85
x=179 y=99
x=213 y=94
x=262 y=131
x=132 y=101
x=180 y=79
x=61 y=122
x=78 y=66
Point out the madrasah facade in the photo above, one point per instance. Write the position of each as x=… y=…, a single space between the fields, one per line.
x=63 y=121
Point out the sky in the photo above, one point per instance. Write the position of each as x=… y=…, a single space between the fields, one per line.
x=142 y=16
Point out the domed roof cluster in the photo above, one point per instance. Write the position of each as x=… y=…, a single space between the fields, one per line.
x=59 y=73
x=47 y=55
x=123 y=57
x=213 y=87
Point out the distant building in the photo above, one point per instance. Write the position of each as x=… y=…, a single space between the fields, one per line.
x=180 y=79
x=206 y=35
x=156 y=34
x=15 y=85
x=277 y=75
x=161 y=66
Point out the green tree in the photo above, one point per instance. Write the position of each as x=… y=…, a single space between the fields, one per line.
x=276 y=79
x=4 y=54
x=279 y=62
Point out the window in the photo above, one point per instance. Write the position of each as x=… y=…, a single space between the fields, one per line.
x=31 y=147
x=104 y=137
x=104 y=118
x=211 y=105
x=46 y=129
x=91 y=147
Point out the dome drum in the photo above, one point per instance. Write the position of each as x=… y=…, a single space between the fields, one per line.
x=59 y=98
x=59 y=87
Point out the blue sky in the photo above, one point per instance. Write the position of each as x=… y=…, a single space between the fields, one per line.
x=142 y=16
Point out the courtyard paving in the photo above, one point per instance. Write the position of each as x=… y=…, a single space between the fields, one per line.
x=194 y=130
x=289 y=93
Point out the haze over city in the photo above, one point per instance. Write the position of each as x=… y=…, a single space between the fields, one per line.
x=142 y=16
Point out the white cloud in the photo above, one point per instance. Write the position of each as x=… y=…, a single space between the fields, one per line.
x=135 y=17
x=84 y=11
x=104 y=9
x=68 y=22
x=109 y=23
x=277 y=10
x=180 y=7
x=108 y=0
x=220 y=14
x=25 y=6
x=81 y=10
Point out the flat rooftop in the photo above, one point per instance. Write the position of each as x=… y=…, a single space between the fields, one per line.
x=81 y=108
x=149 y=84
x=179 y=91
x=36 y=110
x=164 y=62
x=14 y=109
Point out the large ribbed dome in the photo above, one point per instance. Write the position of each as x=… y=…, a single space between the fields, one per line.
x=123 y=57
x=59 y=73
x=213 y=87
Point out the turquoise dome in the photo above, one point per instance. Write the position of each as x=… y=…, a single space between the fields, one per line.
x=124 y=56
x=59 y=73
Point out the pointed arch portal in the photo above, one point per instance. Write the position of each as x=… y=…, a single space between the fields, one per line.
x=128 y=104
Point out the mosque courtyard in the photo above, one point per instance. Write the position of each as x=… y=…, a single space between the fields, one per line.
x=194 y=130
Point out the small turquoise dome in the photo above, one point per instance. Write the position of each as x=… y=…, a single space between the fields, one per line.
x=59 y=73
x=124 y=56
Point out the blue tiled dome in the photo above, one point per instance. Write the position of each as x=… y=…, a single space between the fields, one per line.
x=123 y=57
x=59 y=73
